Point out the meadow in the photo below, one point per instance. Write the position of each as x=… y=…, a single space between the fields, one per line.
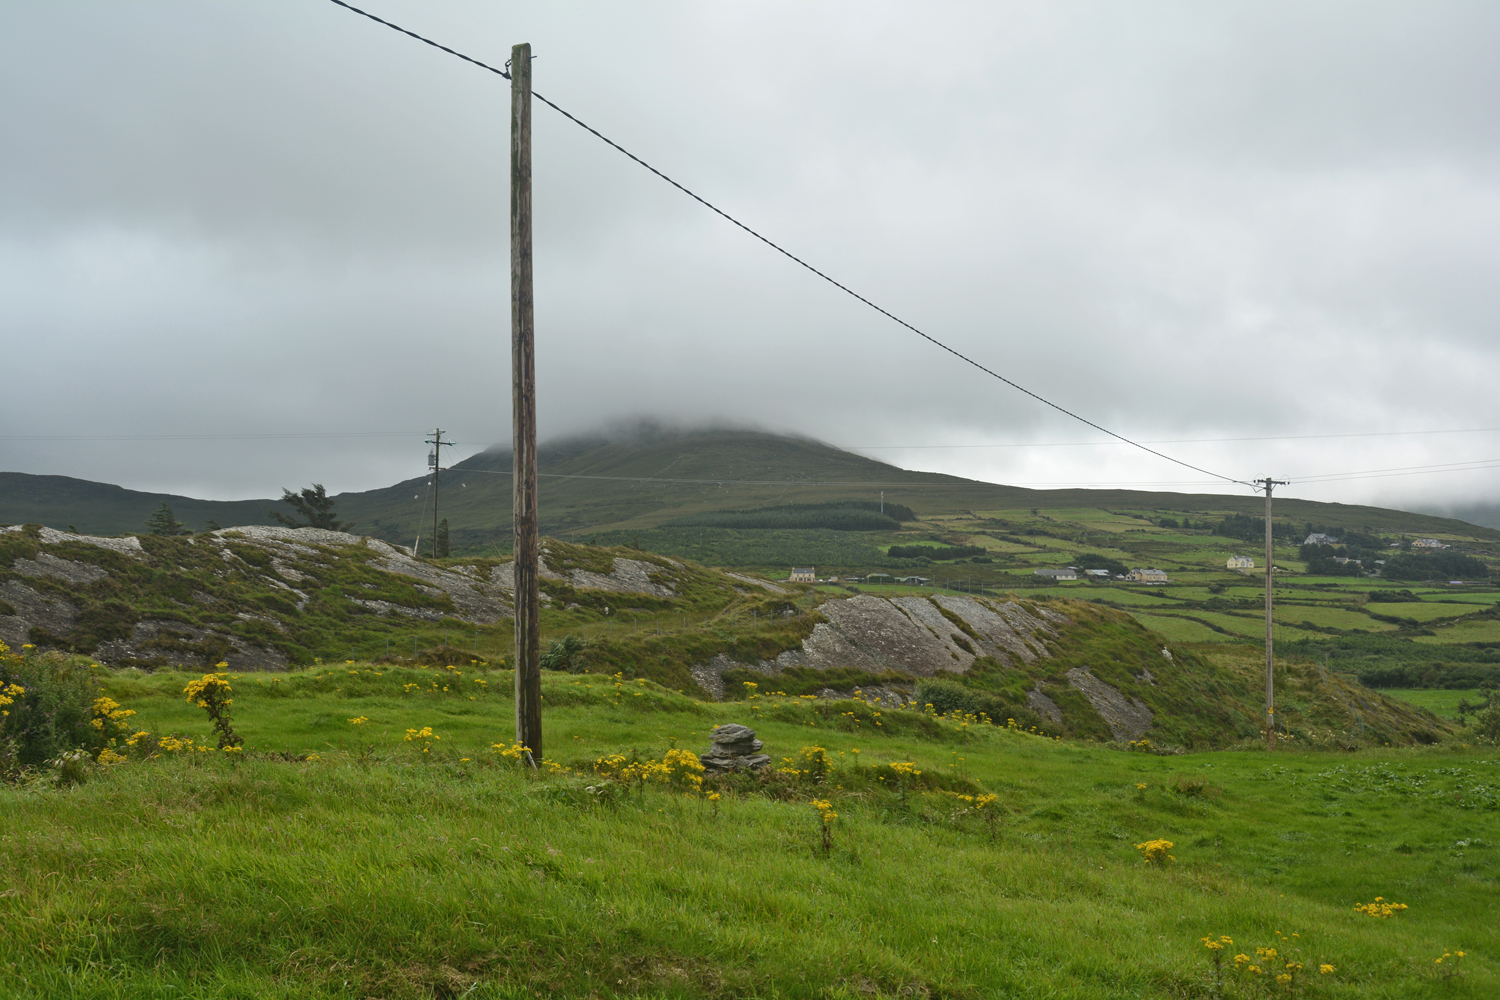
x=344 y=853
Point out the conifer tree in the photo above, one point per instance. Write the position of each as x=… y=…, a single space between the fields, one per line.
x=163 y=522
x=315 y=506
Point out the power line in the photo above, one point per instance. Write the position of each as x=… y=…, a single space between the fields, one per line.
x=1095 y=444
x=798 y=260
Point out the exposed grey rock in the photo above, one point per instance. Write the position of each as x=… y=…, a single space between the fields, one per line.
x=165 y=643
x=129 y=545
x=710 y=675
x=32 y=609
x=474 y=600
x=47 y=564
x=629 y=576
x=759 y=583
x=908 y=635
x=1146 y=677
x=1128 y=718
x=386 y=607
x=1042 y=705
x=305 y=536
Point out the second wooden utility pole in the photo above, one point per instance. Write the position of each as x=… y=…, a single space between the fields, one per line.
x=436 y=461
x=523 y=416
x=1269 y=483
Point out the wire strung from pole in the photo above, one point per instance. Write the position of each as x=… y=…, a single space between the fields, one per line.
x=798 y=260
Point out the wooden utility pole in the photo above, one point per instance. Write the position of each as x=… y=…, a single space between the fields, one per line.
x=1269 y=483
x=523 y=417
x=436 y=461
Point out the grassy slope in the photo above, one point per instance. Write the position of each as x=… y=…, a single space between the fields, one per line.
x=386 y=872
x=477 y=493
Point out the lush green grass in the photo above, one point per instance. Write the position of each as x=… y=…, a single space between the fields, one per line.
x=1439 y=701
x=1181 y=629
x=1464 y=632
x=385 y=871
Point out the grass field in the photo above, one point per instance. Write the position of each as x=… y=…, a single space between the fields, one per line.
x=335 y=859
x=1470 y=631
x=1180 y=629
x=1437 y=700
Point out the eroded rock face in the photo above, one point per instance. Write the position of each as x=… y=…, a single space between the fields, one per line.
x=475 y=600
x=32 y=609
x=1042 y=705
x=1128 y=718
x=47 y=564
x=909 y=635
x=629 y=576
x=913 y=635
x=162 y=643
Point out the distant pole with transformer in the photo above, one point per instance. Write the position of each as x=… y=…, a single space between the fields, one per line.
x=435 y=463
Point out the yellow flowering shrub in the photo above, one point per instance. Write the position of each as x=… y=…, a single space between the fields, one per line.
x=1155 y=852
x=212 y=694
x=810 y=765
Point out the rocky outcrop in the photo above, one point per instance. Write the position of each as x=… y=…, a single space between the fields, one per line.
x=913 y=635
x=916 y=636
x=1042 y=705
x=47 y=564
x=1128 y=718
x=163 y=643
x=31 y=609
x=476 y=600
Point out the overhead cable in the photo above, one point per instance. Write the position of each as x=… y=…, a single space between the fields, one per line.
x=798 y=260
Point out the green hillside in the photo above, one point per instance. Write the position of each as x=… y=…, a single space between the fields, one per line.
x=594 y=484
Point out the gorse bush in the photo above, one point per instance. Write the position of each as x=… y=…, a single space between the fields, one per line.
x=49 y=710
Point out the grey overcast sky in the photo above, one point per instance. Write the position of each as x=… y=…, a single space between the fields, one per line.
x=1182 y=220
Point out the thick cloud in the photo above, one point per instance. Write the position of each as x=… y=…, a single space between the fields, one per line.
x=1183 y=221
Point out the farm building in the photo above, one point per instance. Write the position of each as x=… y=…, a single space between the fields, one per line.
x=1056 y=573
x=1147 y=575
x=1427 y=543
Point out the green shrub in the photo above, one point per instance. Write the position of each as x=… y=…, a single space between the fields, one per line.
x=947 y=697
x=1487 y=723
x=52 y=713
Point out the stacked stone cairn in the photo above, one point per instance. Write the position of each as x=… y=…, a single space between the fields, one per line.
x=734 y=748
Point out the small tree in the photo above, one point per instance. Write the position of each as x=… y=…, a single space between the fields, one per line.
x=315 y=506
x=163 y=522
x=441 y=542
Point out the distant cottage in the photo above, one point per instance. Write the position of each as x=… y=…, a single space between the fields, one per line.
x=1427 y=543
x=1240 y=562
x=802 y=574
x=1318 y=538
x=1147 y=576
x=1054 y=573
